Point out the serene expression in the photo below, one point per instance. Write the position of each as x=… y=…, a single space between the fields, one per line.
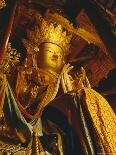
x=50 y=57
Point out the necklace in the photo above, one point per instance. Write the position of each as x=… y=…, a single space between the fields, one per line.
x=53 y=81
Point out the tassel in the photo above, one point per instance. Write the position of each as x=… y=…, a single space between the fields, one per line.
x=37 y=148
x=36 y=145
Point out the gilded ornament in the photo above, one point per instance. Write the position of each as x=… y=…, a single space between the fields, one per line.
x=11 y=59
x=46 y=32
x=2 y=4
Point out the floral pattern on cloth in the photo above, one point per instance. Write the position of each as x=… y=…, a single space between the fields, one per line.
x=103 y=119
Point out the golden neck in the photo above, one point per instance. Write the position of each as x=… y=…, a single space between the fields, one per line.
x=47 y=77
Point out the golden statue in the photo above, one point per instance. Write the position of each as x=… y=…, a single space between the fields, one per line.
x=50 y=100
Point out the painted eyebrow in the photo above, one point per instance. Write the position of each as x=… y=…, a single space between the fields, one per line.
x=52 y=50
x=49 y=49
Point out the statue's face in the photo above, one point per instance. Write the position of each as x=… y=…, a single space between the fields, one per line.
x=50 y=57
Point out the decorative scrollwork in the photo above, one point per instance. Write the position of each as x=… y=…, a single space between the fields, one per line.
x=11 y=59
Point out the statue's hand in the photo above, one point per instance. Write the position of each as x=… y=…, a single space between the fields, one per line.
x=67 y=68
x=66 y=79
x=80 y=78
x=82 y=74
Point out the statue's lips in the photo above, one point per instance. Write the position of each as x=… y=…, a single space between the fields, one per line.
x=54 y=59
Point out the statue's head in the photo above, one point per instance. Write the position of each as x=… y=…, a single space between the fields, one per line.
x=50 y=41
x=50 y=57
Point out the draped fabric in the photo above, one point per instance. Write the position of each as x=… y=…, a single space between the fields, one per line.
x=103 y=120
x=85 y=121
x=13 y=115
x=68 y=115
x=90 y=119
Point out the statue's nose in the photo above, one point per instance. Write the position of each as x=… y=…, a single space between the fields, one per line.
x=55 y=56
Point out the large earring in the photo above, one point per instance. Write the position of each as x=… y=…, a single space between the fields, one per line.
x=36 y=49
x=34 y=56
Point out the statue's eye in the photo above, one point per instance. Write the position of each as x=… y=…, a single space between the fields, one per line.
x=50 y=51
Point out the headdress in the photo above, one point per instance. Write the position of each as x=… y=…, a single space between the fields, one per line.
x=56 y=29
x=50 y=32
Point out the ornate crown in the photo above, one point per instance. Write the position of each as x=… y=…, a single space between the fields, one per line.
x=48 y=31
x=56 y=29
